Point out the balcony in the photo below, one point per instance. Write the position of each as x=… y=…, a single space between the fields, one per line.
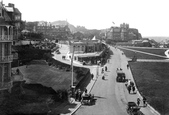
x=4 y=59
x=5 y=85
x=6 y=38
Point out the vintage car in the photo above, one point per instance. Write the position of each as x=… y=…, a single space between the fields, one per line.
x=87 y=99
x=133 y=109
x=121 y=77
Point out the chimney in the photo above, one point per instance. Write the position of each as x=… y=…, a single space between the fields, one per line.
x=11 y=5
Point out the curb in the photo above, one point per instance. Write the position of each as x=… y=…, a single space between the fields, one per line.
x=78 y=106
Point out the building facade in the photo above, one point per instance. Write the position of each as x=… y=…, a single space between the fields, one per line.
x=6 y=38
x=123 y=33
x=85 y=46
x=49 y=30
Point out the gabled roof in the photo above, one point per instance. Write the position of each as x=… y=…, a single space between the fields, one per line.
x=7 y=18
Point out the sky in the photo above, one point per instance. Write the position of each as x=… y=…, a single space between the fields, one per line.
x=150 y=17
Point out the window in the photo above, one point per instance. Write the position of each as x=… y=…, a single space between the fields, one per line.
x=6 y=73
x=0 y=72
x=6 y=48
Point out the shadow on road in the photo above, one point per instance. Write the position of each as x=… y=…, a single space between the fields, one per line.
x=105 y=79
x=99 y=97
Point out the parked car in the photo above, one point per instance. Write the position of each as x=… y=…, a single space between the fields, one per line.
x=121 y=77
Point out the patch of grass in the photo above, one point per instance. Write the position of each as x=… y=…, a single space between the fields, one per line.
x=152 y=81
x=158 y=51
x=130 y=54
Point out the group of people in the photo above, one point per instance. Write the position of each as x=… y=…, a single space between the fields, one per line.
x=103 y=77
x=78 y=95
x=144 y=101
x=130 y=86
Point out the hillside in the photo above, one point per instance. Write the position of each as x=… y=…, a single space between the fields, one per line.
x=74 y=29
x=63 y=23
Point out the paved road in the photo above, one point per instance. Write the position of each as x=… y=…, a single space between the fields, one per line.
x=107 y=95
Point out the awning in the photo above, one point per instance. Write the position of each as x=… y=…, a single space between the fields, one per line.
x=89 y=55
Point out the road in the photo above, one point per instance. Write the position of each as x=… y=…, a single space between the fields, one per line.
x=109 y=100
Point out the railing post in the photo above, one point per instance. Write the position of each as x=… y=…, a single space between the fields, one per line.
x=7 y=32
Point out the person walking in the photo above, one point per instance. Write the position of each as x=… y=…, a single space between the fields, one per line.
x=92 y=76
x=129 y=88
x=102 y=70
x=138 y=101
x=80 y=96
x=105 y=68
x=85 y=90
x=17 y=71
x=144 y=101
x=76 y=95
x=133 y=88
x=127 y=66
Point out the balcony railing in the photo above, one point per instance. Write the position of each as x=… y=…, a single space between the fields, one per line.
x=6 y=38
x=5 y=85
x=8 y=58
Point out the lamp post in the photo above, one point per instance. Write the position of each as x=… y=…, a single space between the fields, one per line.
x=72 y=65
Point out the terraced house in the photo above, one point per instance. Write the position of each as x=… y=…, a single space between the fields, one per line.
x=7 y=28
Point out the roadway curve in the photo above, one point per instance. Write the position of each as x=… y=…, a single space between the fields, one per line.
x=109 y=99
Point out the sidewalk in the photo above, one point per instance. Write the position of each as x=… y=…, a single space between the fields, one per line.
x=133 y=97
x=69 y=107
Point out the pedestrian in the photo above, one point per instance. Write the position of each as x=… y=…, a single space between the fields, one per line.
x=144 y=101
x=133 y=88
x=129 y=88
x=105 y=68
x=85 y=91
x=17 y=71
x=132 y=83
x=80 y=96
x=102 y=70
x=92 y=76
x=76 y=95
x=138 y=101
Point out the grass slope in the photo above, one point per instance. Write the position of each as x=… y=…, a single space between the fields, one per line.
x=48 y=76
x=130 y=54
x=158 y=51
x=152 y=81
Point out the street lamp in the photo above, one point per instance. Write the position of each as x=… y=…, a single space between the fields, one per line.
x=72 y=87
x=72 y=64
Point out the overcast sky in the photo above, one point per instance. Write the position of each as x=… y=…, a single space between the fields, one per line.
x=150 y=17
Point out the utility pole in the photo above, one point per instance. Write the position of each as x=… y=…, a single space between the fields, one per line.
x=72 y=65
x=72 y=87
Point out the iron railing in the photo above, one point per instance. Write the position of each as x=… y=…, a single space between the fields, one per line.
x=8 y=58
x=6 y=38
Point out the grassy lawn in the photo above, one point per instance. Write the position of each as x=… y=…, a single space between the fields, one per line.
x=152 y=80
x=47 y=76
x=158 y=51
x=130 y=54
